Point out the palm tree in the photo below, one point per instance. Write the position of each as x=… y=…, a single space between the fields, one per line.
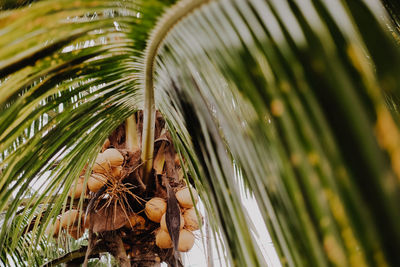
x=301 y=96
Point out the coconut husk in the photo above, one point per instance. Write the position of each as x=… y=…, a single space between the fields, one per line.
x=186 y=240
x=155 y=208
x=191 y=220
x=163 y=239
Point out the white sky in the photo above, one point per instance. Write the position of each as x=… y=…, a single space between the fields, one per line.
x=196 y=257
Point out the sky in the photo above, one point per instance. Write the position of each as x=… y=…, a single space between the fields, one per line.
x=197 y=257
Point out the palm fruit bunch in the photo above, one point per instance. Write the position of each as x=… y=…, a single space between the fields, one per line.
x=188 y=219
x=152 y=219
x=106 y=169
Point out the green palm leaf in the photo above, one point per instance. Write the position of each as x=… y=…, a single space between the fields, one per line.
x=301 y=95
x=64 y=89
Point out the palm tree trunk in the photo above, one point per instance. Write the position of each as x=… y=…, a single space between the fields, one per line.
x=116 y=248
x=149 y=260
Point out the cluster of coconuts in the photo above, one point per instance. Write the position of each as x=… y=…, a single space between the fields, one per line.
x=69 y=221
x=108 y=166
x=156 y=211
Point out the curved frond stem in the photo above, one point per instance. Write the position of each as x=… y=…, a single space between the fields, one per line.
x=164 y=25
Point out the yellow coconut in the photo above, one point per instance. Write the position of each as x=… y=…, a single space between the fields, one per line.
x=116 y=172
x=101 y=164
x=53 y=229
x=96 y=181
x=77 y=188
x=163 y=222
x=113 y=156
x=184 y=198
x=191 y=220
x=155 y=208
x=136 y=221
x=69 y=218
x=163 y=240
x=186 y=240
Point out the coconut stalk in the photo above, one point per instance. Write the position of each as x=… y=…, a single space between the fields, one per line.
x=132 y=142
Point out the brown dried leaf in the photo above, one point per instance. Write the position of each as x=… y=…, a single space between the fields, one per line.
x=159 y=160
x=170 y=168
x=117 y=138
x=139 y=125
x=172 y=216
x=159 y=125
x=160 y=190
x=107 y=219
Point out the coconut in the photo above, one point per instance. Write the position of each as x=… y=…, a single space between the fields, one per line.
x=70 y=221
x=186 y=240
x=155 y=208
x=163 y=240
x=136 y=221
x=191 y=220
x=101 y=164
x=116 y=172
x=77 y=188
x=113 y=156
x=163 y=222
x=184 y=198
x=53 y=229
x=69 y=218
x=96 y=181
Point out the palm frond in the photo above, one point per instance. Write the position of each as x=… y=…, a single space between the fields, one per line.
x=298 y=90
x=67 y=80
